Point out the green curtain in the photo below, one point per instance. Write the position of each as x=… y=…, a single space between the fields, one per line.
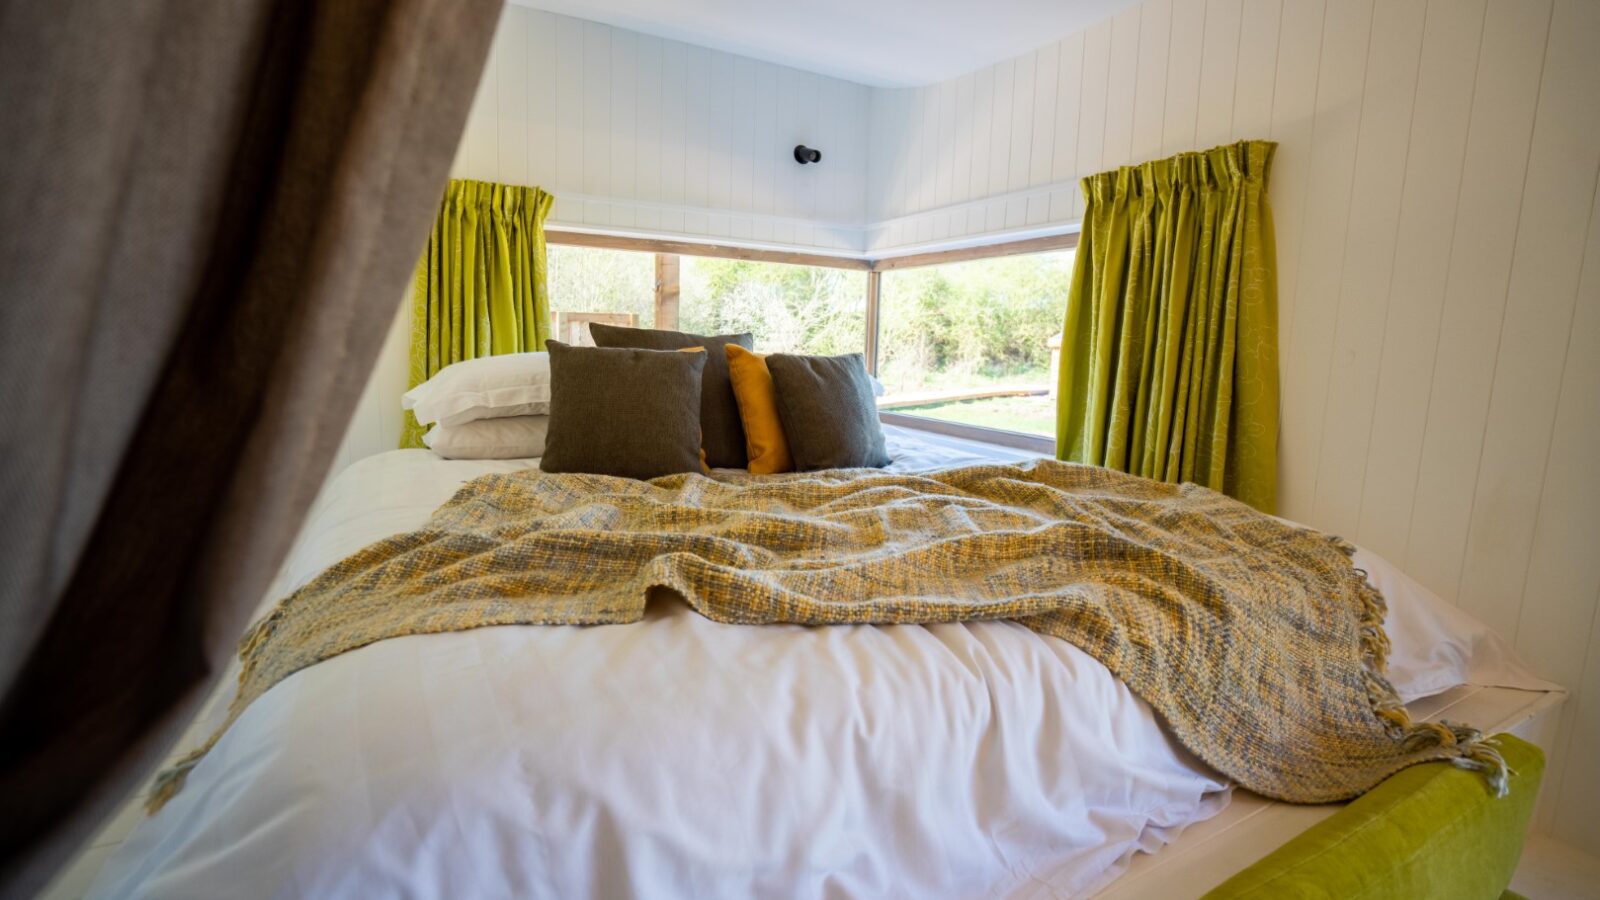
x=481 y=285
x=1169 y=356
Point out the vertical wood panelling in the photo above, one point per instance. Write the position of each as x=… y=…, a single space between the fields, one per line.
x=1219 y=65
x=1540 y=298
x=1447 y=74
x=1150 y=87
x=1438 y=271
x=769 y=158
x=1258 y=59
x=569 y=101
x=1023 y=91
x=966 y=138
x=542 y=68
x=983 y=129
x=1041 y=155
x=1122 y=73
x=1095 y=88
x=634 y=132
x=1561 y=596
x=1437 y=202
x=1064 y=204
x=648 y=130
x=624 y=111
x=945 y=134
x=1294 y=93
x=697 y=123
x=1183 y=76
x=1005 y=76
x=1489 y=210
x=596 y=105
x=511 y=109
x=1341 y=79
x=1369 y=253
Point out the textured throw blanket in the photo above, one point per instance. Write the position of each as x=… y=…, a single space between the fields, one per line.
x=1259 y=643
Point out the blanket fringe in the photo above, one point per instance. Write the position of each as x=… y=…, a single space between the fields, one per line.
x=170 y=781
x=1466 y=748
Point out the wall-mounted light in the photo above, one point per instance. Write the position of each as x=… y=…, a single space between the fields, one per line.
x=804 y=154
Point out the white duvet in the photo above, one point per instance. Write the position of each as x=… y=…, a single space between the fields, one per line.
x=676 y=757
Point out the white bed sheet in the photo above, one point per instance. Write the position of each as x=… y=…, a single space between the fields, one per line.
x=680 y=757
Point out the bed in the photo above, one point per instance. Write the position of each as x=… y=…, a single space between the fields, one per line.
x=681 y=757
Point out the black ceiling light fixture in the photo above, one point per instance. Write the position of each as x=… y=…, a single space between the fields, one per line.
x=804 y=154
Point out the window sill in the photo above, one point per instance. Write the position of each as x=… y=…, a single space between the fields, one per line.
x=1015 y=440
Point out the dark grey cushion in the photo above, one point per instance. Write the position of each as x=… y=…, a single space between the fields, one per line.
x=634 y=413
x=719 y=410
x=829 y=417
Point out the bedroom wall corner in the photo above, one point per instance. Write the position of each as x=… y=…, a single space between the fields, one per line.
x=637 y=134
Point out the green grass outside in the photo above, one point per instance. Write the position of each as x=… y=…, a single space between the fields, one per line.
x=1029 y=415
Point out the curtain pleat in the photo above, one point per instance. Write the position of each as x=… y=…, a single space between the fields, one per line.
x=481 y=284
x=1170 y=359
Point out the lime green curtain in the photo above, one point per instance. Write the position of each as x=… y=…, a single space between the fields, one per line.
x=1169 y=356
x=481 y=286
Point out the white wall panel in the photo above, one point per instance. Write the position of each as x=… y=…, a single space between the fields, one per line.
x=1439 y=273
x=1150 y=85
x=1376 y=194
x=1423 y=242
x=634 y=133
x=1488 y=214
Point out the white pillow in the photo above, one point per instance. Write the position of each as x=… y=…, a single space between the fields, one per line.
x=490 y=387
x=508 y=437
x=1436 y=646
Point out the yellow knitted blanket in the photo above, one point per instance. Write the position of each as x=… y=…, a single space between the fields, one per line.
x=1259 y=643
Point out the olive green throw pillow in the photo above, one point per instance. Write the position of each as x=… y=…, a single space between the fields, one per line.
x=719 y=409
x=827 y=410
x=634 y=413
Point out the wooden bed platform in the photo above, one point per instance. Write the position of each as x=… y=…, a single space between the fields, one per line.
x=1209 y=853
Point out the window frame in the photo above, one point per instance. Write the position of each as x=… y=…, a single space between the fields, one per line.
x=1001 y=436
x=667 y=255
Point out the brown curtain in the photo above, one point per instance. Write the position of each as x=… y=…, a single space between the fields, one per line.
x=206 y=212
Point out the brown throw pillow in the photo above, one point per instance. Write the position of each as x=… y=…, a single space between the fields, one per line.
x=719 y=410
x=829 y=417
x=634 y=413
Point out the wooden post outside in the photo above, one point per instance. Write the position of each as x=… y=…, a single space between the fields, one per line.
x=871 y=352
x=667 y=291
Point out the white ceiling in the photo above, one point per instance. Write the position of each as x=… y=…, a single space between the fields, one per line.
x=886 y=43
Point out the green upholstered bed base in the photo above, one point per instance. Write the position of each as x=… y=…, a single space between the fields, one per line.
x=1432 y=830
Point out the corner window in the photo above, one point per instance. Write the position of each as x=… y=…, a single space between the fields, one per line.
x=597 y=284
x=977 y=342
x=814 y=310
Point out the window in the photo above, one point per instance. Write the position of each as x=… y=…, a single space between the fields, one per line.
x=967 y=340
x=601 y=280
x=975 y=342
x=788 y=308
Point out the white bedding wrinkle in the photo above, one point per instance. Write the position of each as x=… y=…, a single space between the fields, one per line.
x=678 y=756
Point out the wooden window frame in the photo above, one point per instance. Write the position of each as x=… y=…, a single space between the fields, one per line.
x=689 y=248
x=667 y=254
x=1003 y=437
